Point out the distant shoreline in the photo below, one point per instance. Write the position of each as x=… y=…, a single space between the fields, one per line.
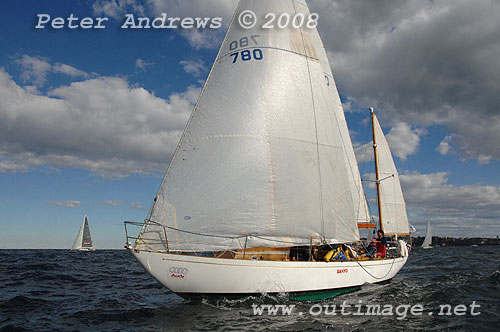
x=456 y=242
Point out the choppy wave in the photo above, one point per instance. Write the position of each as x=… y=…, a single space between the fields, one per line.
x=59 y=290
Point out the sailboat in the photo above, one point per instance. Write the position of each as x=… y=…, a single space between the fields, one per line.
x=264 y=179
x=83 y=241
x=427 y=244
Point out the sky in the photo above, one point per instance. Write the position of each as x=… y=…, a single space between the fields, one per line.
x=90 y=117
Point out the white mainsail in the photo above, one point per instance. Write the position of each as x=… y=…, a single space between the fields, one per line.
x=428 y=236
x=266 y=153
x=83 y=240
x=393 y=207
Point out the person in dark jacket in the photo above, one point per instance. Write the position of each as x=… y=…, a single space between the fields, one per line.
x=378 y=245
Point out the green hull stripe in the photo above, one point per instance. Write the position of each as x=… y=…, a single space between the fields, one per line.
x=320 y=295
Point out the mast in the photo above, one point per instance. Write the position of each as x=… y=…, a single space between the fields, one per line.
x=391 y=203
x=377 y=180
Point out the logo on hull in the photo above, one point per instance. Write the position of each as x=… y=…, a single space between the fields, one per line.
x=178 y=272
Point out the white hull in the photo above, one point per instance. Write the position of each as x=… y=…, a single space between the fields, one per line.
x=195 y=276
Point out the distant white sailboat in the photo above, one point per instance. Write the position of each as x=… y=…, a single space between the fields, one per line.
x=83 y=241
x=427 y=244
x=265 y=175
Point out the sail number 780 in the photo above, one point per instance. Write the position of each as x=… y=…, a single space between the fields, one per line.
x=246 y=55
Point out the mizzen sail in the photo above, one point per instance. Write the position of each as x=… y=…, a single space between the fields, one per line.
x=392 y=203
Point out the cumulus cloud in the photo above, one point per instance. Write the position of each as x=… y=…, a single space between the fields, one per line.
x=113 y=202
x=103 y=125
x=433 y=193
x=69 y=70
x=454 y=210
x=444 y=147
x=422 y=63
x=197 y=38
x=117 y=8
x=462 y=206
x=363 y=152
x=68 y=204
x=195 y=68
x=136 y=205
x=403 y=140
x=35 y=70
x=142 y=64
x=7 y=166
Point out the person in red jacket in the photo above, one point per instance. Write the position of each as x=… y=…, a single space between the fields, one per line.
x=381 y=244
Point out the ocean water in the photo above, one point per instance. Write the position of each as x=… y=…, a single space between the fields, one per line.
x=107 y=290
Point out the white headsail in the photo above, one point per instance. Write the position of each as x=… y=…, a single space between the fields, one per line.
x=266 y=152
x=83 y=239
x=393 y=207
x=428 y=236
